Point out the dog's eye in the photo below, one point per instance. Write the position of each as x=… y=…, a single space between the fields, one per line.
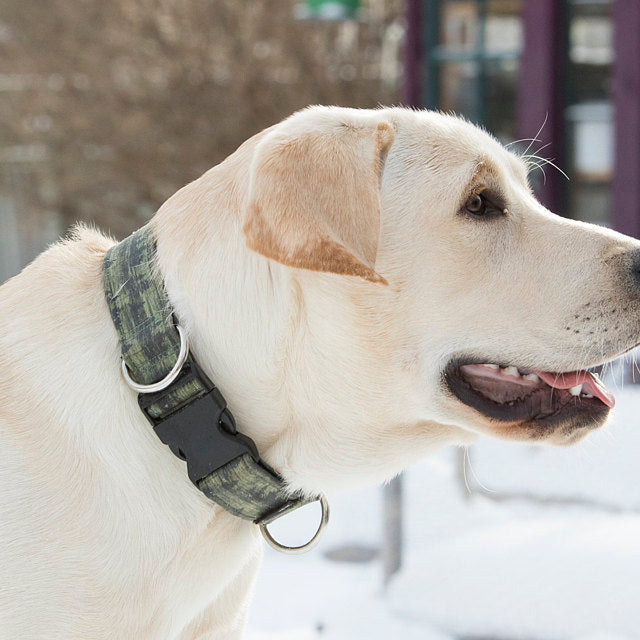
x=476 y=204
x=484 y=205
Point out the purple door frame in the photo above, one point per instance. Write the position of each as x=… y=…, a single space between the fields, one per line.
x=541 y=89
x=626 y=97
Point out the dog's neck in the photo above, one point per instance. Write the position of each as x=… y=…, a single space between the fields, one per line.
x=251 y=321
x=232 y=307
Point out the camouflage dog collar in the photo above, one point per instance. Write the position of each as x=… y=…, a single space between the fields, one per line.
x=187 y=411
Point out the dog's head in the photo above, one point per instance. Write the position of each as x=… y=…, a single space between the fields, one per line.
x=438 y=296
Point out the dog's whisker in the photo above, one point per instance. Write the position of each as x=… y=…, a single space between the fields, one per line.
x=551 y=163
x=508 y=144
x=475 y=475
x=535 y=138
x=544 y=146
x=465 y=458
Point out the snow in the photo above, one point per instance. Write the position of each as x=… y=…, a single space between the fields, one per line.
x=545 y=576
x=546 y=547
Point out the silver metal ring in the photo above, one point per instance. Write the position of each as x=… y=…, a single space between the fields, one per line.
x=272 y=542
x=170 y=377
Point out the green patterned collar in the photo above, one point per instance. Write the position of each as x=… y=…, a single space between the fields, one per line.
x=188 y=413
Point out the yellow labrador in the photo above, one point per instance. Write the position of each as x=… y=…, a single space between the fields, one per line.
x=363 y=286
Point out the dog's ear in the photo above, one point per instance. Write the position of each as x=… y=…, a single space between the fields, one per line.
x=314 y=194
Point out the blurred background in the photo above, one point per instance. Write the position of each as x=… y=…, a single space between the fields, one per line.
x=107 y=108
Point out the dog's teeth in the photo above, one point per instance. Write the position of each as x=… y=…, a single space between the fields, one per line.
x=511 y=371
x=531 y=376
x=576 y=391
x=491 y=366
x=587 y=395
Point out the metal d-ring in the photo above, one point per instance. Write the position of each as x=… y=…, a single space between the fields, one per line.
x=272 y=542
x=183 y=354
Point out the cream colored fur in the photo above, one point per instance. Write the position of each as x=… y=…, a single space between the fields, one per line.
x=337 y=377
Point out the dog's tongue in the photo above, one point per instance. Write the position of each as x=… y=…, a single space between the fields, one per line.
x=589 y=381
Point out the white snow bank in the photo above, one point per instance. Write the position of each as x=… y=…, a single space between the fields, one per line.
x=553 y=576
x=318 y=600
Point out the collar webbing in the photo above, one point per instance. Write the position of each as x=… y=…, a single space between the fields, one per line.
x=190 y=415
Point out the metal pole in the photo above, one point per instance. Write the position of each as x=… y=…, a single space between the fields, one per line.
x=392 y=528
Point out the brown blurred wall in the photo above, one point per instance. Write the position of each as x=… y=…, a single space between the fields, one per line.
x=108 y=107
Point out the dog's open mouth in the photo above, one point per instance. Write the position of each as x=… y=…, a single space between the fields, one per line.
x=516 y=394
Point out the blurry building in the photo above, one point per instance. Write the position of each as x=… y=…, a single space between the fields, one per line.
x=564 y=71
x=107 y=108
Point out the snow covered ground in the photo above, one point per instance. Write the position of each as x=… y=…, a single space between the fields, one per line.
x=547 y=547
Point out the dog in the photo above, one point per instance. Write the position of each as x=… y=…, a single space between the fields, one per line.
x=363 y=286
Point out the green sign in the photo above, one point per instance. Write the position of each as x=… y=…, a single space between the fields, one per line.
x=328 y=9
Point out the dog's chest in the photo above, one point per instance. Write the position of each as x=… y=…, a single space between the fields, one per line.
x=203 y=572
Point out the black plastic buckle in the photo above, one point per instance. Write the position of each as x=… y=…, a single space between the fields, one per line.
x=203 y=431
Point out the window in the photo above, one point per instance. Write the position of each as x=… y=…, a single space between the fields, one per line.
x=589 y=110
x=473 y=49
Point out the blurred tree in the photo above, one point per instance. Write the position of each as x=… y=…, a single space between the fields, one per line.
x=107 y=108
